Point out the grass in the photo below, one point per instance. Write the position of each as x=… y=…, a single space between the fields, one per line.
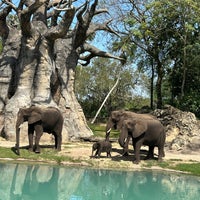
x=99 y=131
x=47 y=155
x=52 y=156
x=193 y=168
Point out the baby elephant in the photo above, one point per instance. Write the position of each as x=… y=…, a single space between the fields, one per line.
x=102 y=146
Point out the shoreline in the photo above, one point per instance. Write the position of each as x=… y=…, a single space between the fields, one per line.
x=79 y=154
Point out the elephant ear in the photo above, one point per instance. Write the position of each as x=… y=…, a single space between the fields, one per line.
x=34 y=117
x=140 y=128
x=121 y=122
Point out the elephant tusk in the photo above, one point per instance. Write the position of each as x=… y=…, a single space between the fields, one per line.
x=108 y=131
x=125 y=141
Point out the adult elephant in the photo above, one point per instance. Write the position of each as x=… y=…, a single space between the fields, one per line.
x=143 y=132
x=40 y=119
x=115 y=121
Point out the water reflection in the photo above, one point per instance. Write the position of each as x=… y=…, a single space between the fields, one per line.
x=41 y=182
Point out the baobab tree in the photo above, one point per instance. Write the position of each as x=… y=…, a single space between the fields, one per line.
x=40 y=54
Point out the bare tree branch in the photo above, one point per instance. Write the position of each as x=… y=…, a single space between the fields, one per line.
x=97 y=12
x=10 y=4
x=94 y=52
x=4 y=30
x=63 y=5
x=83 y=23
x=61 y=29
x=25 y=15
x=104 y=27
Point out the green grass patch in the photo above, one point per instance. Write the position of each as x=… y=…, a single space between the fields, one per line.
x=7 y=153
x=46 y=155
x=151 y=163
x=99 y=130
x=193 y=168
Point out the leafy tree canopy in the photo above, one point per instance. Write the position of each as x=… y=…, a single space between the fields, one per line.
x=163 y=38
x=94 y=82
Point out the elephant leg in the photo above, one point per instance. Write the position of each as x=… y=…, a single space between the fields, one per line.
x=108 y=154
x=99 y=153
x=58 y=141
x=134 y=144
x=39 y=132
x=150 y=154
x=30 y=137
x=161 y=153
x=96 y=153
x=138 y=145
x=125 y=149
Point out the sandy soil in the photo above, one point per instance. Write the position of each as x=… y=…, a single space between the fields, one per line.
x=82 y=151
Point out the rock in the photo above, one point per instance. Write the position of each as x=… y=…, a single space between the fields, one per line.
x=194 y=143
x=182 y=128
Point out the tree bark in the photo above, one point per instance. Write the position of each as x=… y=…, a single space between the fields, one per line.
x=159 y=85
x=37 y=66
x=152 y=84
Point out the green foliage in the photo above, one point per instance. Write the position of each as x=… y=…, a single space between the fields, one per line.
x=165 y=36
x=94 y=82
x=190 y=102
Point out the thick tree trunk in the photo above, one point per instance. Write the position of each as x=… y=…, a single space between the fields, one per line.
x=66 y=61
x=152 y=85
x=38 y=63
x=159 y=85
x=41 y=80
x=9 y=74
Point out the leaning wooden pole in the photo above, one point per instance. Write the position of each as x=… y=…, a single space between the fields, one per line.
x=114 y=86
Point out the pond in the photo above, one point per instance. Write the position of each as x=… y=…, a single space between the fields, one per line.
x=42 y=182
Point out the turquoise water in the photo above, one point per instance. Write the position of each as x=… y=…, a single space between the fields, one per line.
x=40 y=182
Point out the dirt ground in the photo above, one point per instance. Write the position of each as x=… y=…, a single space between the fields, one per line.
x=81 y=152
x=118 y=161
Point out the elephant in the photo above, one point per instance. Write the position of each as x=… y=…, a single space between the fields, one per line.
x=143 y=132
x=102 y=146
x=115 y=122
x=40 y=119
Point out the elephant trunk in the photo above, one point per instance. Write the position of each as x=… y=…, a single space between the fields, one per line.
x=108 y=129
x=123 y=136
x=121 y=141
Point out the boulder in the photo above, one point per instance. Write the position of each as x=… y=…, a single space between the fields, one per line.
x=182 y=128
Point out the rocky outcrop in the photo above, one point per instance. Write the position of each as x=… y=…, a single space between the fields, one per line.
x=182 y=128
